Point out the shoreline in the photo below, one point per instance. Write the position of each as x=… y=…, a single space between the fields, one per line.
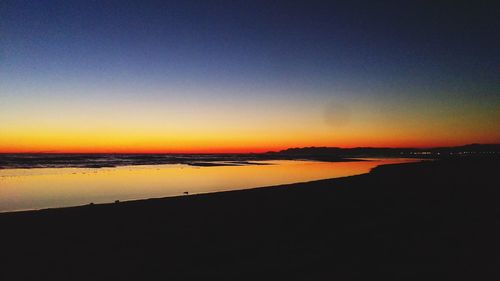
x=145 y=200
x=414 y=221
x=208 y=165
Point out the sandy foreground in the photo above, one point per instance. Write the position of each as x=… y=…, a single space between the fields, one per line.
x=435 y=220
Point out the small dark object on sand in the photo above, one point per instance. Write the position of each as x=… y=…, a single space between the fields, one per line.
x=117 y=201
x=186 y=193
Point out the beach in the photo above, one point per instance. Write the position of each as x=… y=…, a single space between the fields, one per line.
x=431 y=220
x=48 y=187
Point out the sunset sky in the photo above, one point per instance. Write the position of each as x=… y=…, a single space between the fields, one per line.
x=240 y=76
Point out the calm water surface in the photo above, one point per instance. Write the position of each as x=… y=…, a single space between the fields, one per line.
x=23 y=189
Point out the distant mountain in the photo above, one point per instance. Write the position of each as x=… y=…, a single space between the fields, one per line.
x=337 y=152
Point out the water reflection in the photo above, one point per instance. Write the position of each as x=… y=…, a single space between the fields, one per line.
x=22 y=189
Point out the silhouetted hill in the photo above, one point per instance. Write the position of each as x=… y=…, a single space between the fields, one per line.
x=340 y=153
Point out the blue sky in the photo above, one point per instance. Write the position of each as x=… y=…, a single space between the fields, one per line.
x=293 y=57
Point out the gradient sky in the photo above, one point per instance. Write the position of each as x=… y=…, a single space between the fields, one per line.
x=226 y=76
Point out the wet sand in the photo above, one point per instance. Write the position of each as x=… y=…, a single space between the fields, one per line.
x=433 y=220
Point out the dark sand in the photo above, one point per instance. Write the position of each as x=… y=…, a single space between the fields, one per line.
x=423 y=221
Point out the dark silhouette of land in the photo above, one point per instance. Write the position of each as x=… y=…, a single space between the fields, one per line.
x=332 y=153
x=432 y=220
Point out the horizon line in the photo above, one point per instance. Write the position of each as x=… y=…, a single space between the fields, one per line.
x=235 y=151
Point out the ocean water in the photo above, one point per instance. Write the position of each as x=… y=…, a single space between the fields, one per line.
x=37 y=188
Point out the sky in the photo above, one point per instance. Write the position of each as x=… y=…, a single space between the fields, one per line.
x=246 y=76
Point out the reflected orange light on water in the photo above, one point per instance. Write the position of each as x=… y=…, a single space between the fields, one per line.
x=23 y=189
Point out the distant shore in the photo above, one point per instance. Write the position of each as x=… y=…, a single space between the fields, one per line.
x=328 y=154
x=428 y=220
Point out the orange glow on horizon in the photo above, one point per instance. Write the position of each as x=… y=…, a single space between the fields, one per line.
x=232 y=129
x=220 y=148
